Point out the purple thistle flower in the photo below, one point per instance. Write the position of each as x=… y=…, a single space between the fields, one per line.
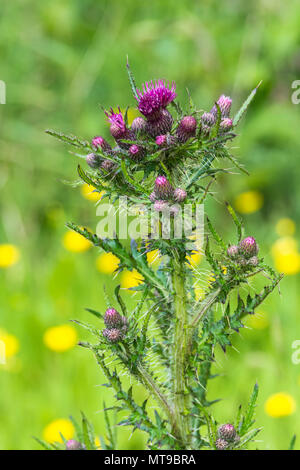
x=99 y=142
x=135 y=151
x=224 y=103
x=208 y=119
x=225 y=125
x=138 y=125
x=93 y=160
x=161 y=125
x=112 y=334
x=112 y=318
x=227 y=432
x=186 y=129
x=118 y=128
x=233 y=251
x=221 y=444
x=248 y=247
x=72 y=444
x=165 y=140
x=161 y=206
x=179 y=195
x=154 y=97
x=163 y=189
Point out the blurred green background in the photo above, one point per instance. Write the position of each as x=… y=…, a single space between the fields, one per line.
x=60 y=61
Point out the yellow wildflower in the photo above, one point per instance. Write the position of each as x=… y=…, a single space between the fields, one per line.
x=9 y=255
x=288 y=263
x=194 y=259
x=88 y=192
x=9 y=344
x=131 y=279
x=285 y=227
x=249 y=202
x=284 y=245
x=97 y=443
x=52 y=431
x=280 y=404
x=60 y=338
x=107 y=263
x=153 y=256
x=75 y=242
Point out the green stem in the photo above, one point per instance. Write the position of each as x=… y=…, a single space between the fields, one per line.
x=181 y=398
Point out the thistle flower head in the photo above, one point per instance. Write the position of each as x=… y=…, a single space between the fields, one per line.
x=72 y=444
x=135 y=151
x=226 y=124
x=233 y=251
x=162 y=188
x=186 y=129
x=253 y=261
x=227 y=432
x=112 y=334
x=165 y=140
x=138 y=125
x=154 y=97
x=93 y=160
x=100 y=142
x=179 y=195
x=112 y=318
x=208 y=119
x=117 y=124
x=224 y=103
x=161 y=140
x=248 y=247
x=161 y=125
x=107 y=165
x=221 y=444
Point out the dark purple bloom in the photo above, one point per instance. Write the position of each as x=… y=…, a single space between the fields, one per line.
x=163 y=189
x=112 y=318
x=186 y=129
x=248 y=247
x=155 y=97
x=117 y=124
x=227 y=432
x=99 y=142
x=93 y=160
x=135 y=151
x=165 y=140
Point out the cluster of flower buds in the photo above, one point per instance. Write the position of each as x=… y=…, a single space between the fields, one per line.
x=245 y=253
x=164 y=194
x=227 y=437
x=116 y=325
x=208 y=120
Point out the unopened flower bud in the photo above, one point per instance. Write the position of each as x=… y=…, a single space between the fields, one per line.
x=179 y=195
x=161 y=206
x=161 y=125
x=112 y=318
x=165 y=140
x=139 y=125
x=112 y=334
x=227 y=432
x=93 y=160
x=224 y=103
x=107 y=165
x=233 y=251
x=248 y=247
x=225 y=125
x=99 y=142
x=72 y=444
x=253 y=261
x=163 y=189
x=208 y=119
x=152 y=197
x=186 y=129
x=135 y=151
x=221 y=444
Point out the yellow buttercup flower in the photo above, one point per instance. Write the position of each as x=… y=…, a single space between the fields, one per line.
x=279 y=405
x=75 y=242
x=284 y=246
x=97 y=443
x=60 y=338
x=131 y=279
x=285 y=227
x=9 y=344
x=52 y=431
x=249 y=202
x=107 y=263
x=9 y=255
x=259 y=321
x=88 y=192
x=153 y=257
x=288 y=263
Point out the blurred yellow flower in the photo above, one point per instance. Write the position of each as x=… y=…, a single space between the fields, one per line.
x=248 y=202
x=107 y=263
x=259 y=321
x=288 y=263
x=9 y=255
x=280 y=404
x=52 y=431
x=10 y=343
x=60 y=338
x=284 y=246
x=285 y=227
x=153 y=256
x=97 y=443
x=88 y=192
x=131 y=279
x=75 y=242
x=194 y=259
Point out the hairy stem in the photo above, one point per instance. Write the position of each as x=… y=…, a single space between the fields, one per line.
x=181 y=398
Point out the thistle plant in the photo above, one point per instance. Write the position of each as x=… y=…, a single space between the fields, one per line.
x=168 y=158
